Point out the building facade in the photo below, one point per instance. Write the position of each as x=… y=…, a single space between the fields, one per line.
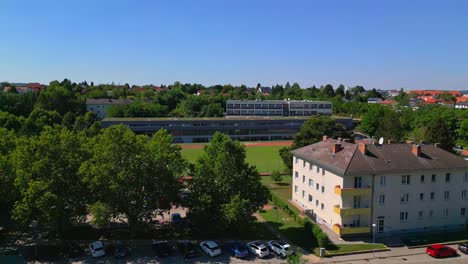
x=284 y=108
x=100 y=106
x=398 y=187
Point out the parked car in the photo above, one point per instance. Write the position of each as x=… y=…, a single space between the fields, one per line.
x=440 y=251
x=97 y=249
x=161 y=248
x=210 y=248
x=187 y=249
x=236 y=249
x=258 y=249
x=280 y=248
x=463 y=247
x=120 y=250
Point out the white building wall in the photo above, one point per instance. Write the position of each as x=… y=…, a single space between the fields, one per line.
x=322 y=179
x=393 y=189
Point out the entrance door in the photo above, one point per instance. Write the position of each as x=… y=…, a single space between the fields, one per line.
x=380 y=224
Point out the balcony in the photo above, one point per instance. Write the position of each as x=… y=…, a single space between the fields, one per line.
x=351 y=211
x=365 y=190
x=355 y=230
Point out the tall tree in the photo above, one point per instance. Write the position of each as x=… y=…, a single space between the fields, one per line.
x=390 y=127
x=340 y=90
x=328 y=91
x=47 y=177
x=132 y=175
x=439 y=132
x=226 y=190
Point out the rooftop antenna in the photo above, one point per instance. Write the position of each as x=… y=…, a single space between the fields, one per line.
x=381 y=141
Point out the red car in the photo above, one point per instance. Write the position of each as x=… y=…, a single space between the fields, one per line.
x=440 y=251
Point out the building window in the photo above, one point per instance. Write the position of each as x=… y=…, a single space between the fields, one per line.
x=323 y=172
x=462 y=211
x=421 y=196
x=464 y=194
x=318 y=169
x=422 y=178
x=446 y=195
x=420 y=214
x=403 y=216
x=317 y=186
x=296 y=174
x=303 y=194
x=303 y=163
x=431 y=213
x=316 y=202
x=311 y=166
x=323 y=189
x=382 y=180
x=310 y=198
x=295 y=189
x=447 y=177
x=404 y=198
x=445 y=212
x=432 y=195
x=466 y=176
x=303 y=178
x=322 y=206
x=433 y=178
x=297 y=160
x=311 y=183
x=382 y=199
x=405 y=179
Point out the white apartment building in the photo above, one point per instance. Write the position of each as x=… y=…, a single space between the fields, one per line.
x=398 y=187
x=100 y=106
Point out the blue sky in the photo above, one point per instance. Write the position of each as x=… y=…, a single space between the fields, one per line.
x=382 y=44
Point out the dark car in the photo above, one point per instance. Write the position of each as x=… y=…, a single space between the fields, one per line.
x=187 y=249
x=236 y=249
x=120 y=250
x=440 y=251
x=161 y=248
x=463 y=247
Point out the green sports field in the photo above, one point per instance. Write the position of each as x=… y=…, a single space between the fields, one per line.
x=265 y=158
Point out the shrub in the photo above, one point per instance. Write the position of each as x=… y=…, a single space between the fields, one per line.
x=323 y=240
x=276 y=176
x=307 y=226
x=316 y=230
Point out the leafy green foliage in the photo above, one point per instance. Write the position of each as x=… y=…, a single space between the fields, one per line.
x=101 y=213
x=439 y=132
x=276 y=176
x=226 y=190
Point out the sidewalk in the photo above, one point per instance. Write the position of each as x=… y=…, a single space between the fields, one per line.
x=394 y=252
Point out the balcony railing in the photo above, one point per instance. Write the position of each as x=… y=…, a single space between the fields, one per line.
x=365 y=190
x=351 y=211
x=355 y=230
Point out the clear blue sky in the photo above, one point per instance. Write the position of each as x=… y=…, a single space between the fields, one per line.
x=400 y=43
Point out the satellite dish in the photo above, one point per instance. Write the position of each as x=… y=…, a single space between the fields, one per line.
x=381 y=141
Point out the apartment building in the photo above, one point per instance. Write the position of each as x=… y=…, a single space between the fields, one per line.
x=398 y=187
x=284 y=108
x=100 y=106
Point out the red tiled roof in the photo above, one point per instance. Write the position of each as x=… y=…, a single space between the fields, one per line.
x=387 y=102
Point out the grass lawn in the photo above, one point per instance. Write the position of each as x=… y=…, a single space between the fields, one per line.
x=344 y=248
x=432 y=238
x=265 y=158
x=290 y=229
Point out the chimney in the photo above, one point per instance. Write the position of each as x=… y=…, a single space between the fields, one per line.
x=335 y=148
x=437 y=145
x=391 y=141
x=416 y=149
x=362 y=148
x=325 y=137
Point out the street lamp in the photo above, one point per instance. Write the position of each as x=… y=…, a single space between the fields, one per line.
x=373 y=246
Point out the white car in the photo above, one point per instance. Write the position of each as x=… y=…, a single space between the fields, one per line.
x=280 y=248
x=210 y=248
x=258 y=249
x=97 y=249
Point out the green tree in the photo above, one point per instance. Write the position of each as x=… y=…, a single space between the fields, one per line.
x=312 y=131
x=439 y=132
x=390 y=127
x=101 y=213
x=8 y=193
x=47 y=178
x=340 y=90
x=132 y=175
x=226 y=190
x=40 y=118
x=371 y=120
x=328 y=91
x=276 y=177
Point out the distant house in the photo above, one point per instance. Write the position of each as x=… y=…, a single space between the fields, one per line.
x=23 y=89
x=100 y=106
x=462 y=105
x=393 y=93
x=35 y=87
x=374 y=100
x=264 y=90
